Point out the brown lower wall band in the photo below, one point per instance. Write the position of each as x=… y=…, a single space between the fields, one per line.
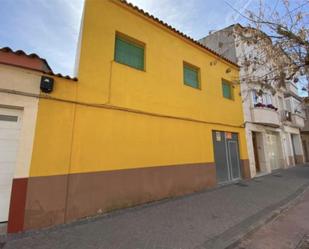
x=46 y=198
x=245 y=169
x=17 y=205
x=291 y=160
x=55 y=200
x=299 y=159
x=92 y=193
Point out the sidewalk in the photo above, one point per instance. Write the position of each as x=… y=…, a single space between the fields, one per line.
x=210 y=219
x=288 y=230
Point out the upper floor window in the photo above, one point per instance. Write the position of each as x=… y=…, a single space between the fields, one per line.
x=268 y=99
x=227 y=89
x=129 y=52
x=255 y=97
x=265 y=98
x=191 y=75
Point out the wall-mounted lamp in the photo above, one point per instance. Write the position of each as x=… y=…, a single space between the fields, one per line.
x=47 y=84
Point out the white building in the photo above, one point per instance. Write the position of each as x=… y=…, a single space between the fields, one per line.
x=305 y=131
x=273 y=112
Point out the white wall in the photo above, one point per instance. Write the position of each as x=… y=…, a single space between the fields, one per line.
x=26 y=81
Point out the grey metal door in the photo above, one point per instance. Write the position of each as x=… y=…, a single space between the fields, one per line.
x=232 y=146
x=221 y=159
x=226 y=153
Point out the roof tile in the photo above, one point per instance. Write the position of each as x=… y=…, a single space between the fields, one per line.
x=48 y=70
x=176 y=31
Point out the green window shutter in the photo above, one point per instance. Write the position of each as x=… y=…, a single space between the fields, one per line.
x=191 y=76
x=227 y=90
x=128 y=53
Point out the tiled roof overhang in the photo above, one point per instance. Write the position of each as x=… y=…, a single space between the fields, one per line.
x=32 y=61
x=148 y=15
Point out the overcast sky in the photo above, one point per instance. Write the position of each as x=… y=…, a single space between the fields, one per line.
x=50 y=27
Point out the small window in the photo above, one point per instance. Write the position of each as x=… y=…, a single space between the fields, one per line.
x=129 y=52
x=8 y=118
x=268 y=99
x=227 y=90
x=191 y=76
x=254 y=97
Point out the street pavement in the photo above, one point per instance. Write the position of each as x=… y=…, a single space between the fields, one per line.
x=214 y=218
x=288 y=230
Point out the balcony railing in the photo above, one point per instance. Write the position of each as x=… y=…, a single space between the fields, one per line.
x=286 y=116
x=265 y=115
x=292 y=88
x=298 y=120
x=293 y=119
x=306 y=126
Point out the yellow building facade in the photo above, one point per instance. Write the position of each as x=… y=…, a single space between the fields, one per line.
x=122 y=136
